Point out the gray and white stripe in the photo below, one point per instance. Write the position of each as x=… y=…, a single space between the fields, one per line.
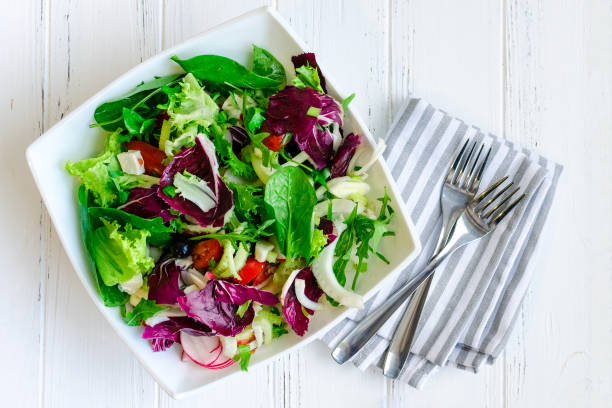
x=476 y=294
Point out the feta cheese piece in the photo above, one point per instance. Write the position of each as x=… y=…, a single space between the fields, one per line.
x=132 y=285
x=131 y=162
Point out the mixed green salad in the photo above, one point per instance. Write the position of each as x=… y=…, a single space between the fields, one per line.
x=226 y=203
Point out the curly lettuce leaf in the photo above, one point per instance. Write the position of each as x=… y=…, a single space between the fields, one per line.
x=192 y=105
x=120 y=253
x=97 y=173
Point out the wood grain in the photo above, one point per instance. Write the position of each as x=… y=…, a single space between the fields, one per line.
x=535 y=71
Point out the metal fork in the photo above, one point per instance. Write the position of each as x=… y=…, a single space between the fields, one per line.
x=474 y=223
x=460 y=185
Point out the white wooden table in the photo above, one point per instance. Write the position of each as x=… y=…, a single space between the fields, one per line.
x=535 y=71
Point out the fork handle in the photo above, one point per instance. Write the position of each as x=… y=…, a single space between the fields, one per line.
x=399 y=347
x=369 y=325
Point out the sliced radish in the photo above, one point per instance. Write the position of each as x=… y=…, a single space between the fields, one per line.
x=205 y=351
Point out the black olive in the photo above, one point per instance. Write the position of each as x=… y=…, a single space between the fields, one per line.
x=180 y=248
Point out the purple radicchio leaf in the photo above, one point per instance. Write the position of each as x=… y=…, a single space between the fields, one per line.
x=145 y=203
x=240 y=138
x=200 y=161
x=345 y=153
x=164 y=282
x=237 y=294
x=292 y=308
x=287 y=112
x=166 y=333
x=308 y=58
x=203 y=306
x=329 y=229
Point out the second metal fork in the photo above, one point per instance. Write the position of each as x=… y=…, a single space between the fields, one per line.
x=461 y=183
x=473 y=223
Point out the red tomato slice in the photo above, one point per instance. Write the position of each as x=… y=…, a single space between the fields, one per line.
x=273 y=142
x=204 y=251
x=153 y=157
x=262 y=276
x=250 y=270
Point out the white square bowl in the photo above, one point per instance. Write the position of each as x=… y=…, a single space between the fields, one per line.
x=72 y=139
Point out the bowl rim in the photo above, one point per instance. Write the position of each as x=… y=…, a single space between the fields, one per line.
x=400 y=204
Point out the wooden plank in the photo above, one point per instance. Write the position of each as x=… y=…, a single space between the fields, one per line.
x=449 y=53
x=22 y=245
x=559 y=99
x=85 y=362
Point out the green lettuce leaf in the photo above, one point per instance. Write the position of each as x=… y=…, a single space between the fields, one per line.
x=111 y=295
x=97 y=173
x=192 y=105
x=159 y=234
x=120 y=253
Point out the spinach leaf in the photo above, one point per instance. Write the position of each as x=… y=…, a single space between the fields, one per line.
x=158 y=82
x=160 y=233
x=266 y=65
x=267 y=72
x=111 y=295
x=144 y=309
x=290 y=199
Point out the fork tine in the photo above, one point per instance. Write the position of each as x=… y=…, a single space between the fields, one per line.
x=501 y=203
x=495 y=197
x=478 y=176
x=488 y=191
x=453 y=167
x=457 y=179
x=497 y=219
x=468 y=176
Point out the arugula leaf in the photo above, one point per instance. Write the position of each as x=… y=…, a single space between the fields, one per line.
x=290 y=199
x=343 y=248
x=345 y=102
x=243 y=308
x=160 y=234
x=253 y=119
x=111 y=295
x=267 y=72
x=307 y=77
x=243 y=356
x=228 y=158
x=248 y=202
x=279 y=330
x=248 y=234
x=368 y=234
x=142 y=311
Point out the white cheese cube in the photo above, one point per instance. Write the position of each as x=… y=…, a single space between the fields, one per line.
x=131 y=162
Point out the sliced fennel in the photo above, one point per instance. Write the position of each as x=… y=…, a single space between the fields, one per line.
x=300 y=293
x=322 y=268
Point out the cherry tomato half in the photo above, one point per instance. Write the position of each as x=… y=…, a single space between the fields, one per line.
x=204 y=251
x=152 y=156
x=250 y=270
x=273 y=142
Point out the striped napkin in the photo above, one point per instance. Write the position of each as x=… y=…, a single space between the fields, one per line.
x=476 y=293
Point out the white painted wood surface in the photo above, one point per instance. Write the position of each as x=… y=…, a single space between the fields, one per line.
x=535 y=71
